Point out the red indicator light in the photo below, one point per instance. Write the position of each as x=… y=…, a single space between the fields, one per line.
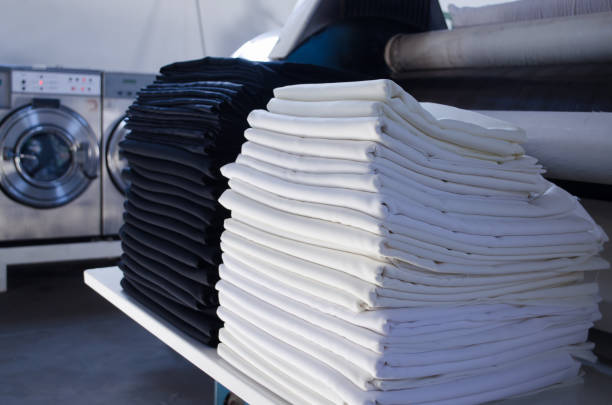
x=73 y=88
x=40 y=82
x=82 y=88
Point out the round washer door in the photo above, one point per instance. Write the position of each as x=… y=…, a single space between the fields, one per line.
x=114 y=162
x=49 y=156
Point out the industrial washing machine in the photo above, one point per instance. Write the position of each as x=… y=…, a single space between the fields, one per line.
x=50 y=125
x=119 y=91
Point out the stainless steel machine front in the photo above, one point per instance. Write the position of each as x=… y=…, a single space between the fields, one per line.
x=119 y=91
x=50 y=124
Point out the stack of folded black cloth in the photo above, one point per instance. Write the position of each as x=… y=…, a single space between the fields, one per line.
x=183 y=128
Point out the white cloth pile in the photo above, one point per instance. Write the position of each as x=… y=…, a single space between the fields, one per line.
x=386 y=251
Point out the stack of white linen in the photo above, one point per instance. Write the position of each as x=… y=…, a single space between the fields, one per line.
x=386 y=251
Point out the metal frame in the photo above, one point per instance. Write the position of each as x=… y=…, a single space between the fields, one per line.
x=55 y=253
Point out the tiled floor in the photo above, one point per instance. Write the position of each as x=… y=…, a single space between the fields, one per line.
x=61 y=343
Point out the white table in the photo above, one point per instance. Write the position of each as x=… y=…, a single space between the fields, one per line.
x=105 y=281
x=597 y=389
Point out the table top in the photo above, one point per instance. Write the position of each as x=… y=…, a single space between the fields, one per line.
x=596 y=390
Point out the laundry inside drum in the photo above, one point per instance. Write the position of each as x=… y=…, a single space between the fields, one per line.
x=45 y=156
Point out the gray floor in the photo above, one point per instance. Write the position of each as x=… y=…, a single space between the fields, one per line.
x=61 y=343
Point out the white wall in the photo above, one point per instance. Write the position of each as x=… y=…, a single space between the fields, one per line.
x=129 y=35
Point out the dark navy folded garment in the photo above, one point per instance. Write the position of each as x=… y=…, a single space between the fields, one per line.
x=203 y=235
x=185 y=249
x=172 y=131
x=164 y=166
x=188 y=144
x=136 y=179
x=204 y=295
x=165 y=287
x=157 y=284
x=195 y=234
x=199 y=326
x=199 y=110
x=208 y=190
x=164 y=246
x=173 y=154
x=205 y=210
x=206 y=275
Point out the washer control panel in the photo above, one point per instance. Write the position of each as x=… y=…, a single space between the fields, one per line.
x=125 y=85
x=43 y=82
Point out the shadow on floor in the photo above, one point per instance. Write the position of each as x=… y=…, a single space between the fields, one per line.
x=61 y=343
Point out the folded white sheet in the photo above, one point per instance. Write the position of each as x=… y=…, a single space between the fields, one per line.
x=411 y=296
x=390 y=93
x=389 y=206
x=402 y=155
x=342 y=237
x=278 y=251
x=303 y=290
x=270 y=373
x=389 y=175
x=312 y=164
x=370 y=268
x=363 y=366
x=363 y=151
x=410 y=227
x=264 y=373
x=554 y=363
x=371 y=128
x=368 y=330
x=272 y=365
x=366 y=108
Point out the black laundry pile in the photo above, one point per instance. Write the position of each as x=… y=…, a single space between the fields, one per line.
x=183 y=128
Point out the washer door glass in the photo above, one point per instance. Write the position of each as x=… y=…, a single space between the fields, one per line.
x=49 y=156
x=114 y=161
x=45 y=156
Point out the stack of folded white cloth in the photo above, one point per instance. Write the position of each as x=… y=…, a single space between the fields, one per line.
x=386 y=251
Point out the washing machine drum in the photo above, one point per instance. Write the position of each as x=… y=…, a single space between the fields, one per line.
x=49 y=156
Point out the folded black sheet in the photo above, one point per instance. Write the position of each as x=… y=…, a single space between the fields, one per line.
x=205 y=210
x=208 y=234
x=188 y=144
x=170 y=153
x=175 y=244
x=130 y=175
x=164 y=166
x=211 y=190
x=203 y=295
x=165 y=287
x=202 y=327
x=162 y=221
x=206 y=275
x=177 y=253
x=157 y=284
